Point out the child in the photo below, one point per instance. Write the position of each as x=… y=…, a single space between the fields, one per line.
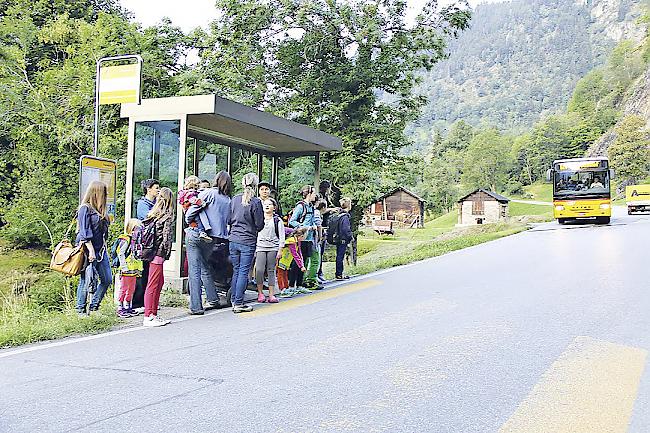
x=290 y=253
x=130 y=269
x=270 y=242
x=189 y=196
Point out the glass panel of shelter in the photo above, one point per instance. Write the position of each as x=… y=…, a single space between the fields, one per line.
x=156 y=156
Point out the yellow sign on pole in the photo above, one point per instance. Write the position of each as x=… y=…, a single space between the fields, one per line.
x=105 y=170
x=119 y=84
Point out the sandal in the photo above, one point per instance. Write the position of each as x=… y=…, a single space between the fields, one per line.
x=261 y=298
x=272 y=300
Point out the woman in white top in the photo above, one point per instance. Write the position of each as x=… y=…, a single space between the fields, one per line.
x=270 y=242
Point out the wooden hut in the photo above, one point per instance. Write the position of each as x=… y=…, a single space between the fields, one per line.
x=482 y=207
x=401 y=207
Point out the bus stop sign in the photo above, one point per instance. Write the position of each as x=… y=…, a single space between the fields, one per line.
x=92 y=168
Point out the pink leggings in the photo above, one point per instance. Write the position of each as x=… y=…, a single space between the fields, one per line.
x=154 y=287
x=128 y=288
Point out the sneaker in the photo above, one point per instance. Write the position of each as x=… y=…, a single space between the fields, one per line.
x=302 y=290
x=272 y=300
x=342 y=277
x=261 y=298
x=123 y=313
x=316 y=286
x=139 y=310
x=161 y=320
x=242 y=308
x=286 y=293
x=197 y=313
x=150 y=322
x=132 y=312
x=212 y=305
x=82 y=314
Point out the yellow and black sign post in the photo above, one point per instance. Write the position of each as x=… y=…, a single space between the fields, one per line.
x=119 y=84
x=92 y=168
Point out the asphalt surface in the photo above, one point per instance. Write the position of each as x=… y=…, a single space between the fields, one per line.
x=543 y=331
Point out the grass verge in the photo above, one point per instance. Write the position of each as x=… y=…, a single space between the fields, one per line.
x=37 y=304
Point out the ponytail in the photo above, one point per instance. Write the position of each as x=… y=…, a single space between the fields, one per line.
x=249 y=182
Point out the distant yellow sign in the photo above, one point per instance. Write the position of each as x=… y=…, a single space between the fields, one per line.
x=105 y=170
x=575 y=166
x=119 y=84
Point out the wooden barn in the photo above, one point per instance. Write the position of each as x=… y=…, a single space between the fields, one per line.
x=400 y=207
x=482 y=207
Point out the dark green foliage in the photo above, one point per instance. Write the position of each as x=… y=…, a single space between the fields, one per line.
x=630 y=152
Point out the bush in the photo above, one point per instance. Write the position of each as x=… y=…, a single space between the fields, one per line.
x=52 y=292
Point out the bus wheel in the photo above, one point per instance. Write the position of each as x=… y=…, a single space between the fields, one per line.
x=561 y=220
x=602 y=220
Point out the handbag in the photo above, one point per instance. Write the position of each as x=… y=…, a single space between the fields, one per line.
x=68 y=259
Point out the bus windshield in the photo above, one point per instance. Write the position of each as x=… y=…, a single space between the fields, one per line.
x=592 y=182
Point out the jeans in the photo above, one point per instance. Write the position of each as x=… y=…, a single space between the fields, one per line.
x=198 y=252
x=241 y=257
x=103 y=267
x=340 y=254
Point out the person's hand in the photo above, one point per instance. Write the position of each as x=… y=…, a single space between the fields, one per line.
x=303 y=269
x=278 y=256
x=91 y=256
x=124 y=268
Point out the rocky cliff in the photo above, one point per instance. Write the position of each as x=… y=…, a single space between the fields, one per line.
x=636 y=102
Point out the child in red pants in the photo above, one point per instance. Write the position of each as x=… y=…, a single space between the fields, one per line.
x=130 y=269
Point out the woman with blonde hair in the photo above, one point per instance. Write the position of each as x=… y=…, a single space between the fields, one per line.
x=246 y=221
x=92 y=231
x=162 y=215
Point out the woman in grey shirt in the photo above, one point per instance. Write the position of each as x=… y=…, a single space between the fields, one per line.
x=270 y=242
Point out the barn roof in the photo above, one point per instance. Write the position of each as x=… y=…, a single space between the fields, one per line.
x=494 y=195
x=401 y=189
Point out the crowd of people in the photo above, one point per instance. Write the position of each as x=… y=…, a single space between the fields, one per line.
x=245 y=239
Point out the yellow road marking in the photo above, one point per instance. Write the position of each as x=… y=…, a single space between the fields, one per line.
x=312 y=298
x=590 y=388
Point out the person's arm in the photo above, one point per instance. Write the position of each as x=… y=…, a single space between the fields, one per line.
x=166 y=247
x=294 y=248
x=121 y=246
x=86 y=231
x=258 y=215
x=142 y=210
x=200 y=203
x=281 y=236
x=295 y=216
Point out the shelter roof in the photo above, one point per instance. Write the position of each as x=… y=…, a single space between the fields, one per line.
x=494 y=195
x=401 y=189
x=218 y=119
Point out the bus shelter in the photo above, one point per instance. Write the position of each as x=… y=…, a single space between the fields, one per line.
x=172 y=138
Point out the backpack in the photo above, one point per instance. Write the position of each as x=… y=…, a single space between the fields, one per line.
x=115 y=260
x=303 y=214
x=334 y=228
x=143 y=239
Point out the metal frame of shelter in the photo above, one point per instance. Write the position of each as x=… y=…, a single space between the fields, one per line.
x=171 y=138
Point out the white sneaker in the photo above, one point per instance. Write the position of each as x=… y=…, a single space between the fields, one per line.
x=161 y=320
x=139 y=310
x=151 y=322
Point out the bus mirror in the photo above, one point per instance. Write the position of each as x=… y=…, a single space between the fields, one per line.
x=612 y=173
x=549 y=174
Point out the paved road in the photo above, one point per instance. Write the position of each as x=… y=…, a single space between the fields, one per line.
x=545 y=331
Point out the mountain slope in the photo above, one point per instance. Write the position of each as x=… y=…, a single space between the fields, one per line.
x=521 y=60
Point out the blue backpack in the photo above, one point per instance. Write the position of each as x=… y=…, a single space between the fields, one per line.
x=115 y=260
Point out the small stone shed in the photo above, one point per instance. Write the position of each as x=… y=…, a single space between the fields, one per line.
x=399 y=205
x=482 y=207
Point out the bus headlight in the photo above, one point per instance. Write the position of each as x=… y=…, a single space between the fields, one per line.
x=559 y=208
x=605 y=206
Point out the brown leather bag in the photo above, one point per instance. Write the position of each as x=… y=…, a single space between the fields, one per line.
x=68 y=259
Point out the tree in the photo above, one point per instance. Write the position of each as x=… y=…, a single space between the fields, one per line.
x=487 y=161
x=630 y=151
x=323 y=63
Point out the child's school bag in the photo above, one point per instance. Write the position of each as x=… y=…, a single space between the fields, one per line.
x=143 y=239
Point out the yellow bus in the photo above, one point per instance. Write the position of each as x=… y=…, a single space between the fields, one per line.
x=581 y=189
